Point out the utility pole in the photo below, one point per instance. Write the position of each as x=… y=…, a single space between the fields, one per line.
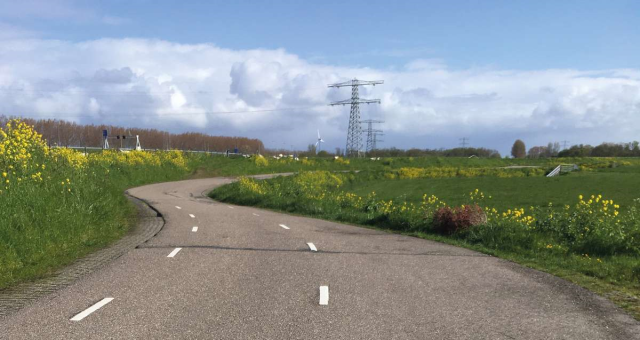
x=464 y=141
x=354 y=133
x=370 y=133
x=564 y=144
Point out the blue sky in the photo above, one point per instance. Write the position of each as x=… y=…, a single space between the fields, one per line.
x=492 y=70
x=506 y=34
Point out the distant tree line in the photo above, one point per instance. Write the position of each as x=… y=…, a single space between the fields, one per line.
x=603 y=150
x=63 y=133
x=455 y=152
x=551 y=150
x=582 y=150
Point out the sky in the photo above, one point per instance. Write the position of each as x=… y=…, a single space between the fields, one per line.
x=490 y=71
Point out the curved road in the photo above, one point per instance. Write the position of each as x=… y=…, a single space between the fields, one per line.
x=246 y=273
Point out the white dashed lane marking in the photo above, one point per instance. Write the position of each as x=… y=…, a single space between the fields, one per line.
x=194 y=229
x=284 y=226
x=312 y=247
x=230 y=207
x=174 y=252
x=254 y=214
x=192 y=215
x=177 y=207
x=324 y=295
x=91 y=309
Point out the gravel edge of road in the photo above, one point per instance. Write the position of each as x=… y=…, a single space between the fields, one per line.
x=149 y=223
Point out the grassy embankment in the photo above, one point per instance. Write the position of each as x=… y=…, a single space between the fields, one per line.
x=594 y=242
x=58 y=205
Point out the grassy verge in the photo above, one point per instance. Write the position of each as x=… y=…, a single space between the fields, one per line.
x=58 y=205
x=593 y=242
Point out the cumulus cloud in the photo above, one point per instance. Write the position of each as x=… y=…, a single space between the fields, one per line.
x=202 y=87
x=121 y=76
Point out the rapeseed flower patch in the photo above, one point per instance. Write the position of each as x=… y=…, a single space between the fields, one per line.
x=61 y=202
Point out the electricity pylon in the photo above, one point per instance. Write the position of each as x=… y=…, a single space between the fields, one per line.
x=354 y=134
x=464 y=142
x=370 y=133
x=376 y=133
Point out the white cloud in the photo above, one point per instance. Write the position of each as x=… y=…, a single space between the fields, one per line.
x=160 y=84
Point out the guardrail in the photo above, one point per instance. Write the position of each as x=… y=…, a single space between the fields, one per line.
x=81 y=148
x=562 y=168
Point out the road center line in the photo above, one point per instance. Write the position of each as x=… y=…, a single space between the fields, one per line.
x=230 y=207
x=174 y=252
x=254 y=214
x=177 y=207
x=312 y=247
x=324 y=295
x=284 y=226
x=194 y=229
x=192 y=216
x=91 y=309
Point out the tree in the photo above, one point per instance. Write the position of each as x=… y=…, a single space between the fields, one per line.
x=537 y=151
x=552 y=149
x=577 y=151
x=311 y=149
x=518 y=150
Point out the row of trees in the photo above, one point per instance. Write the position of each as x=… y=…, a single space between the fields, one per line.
x=518 y=150
x=63 y=133
x=603 y=150
x=455 y=152
x=394 y=152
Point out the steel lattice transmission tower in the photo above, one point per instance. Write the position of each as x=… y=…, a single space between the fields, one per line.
x=464 y=142
x=371 y=145
x=354 y=134
x=376 y=133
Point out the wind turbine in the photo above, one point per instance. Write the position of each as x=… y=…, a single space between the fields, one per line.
x=318 y=142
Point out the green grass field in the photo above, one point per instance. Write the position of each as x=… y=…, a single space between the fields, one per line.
x=519 y=192
x=247 y=166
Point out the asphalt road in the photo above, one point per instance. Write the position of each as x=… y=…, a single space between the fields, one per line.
x=243 y=275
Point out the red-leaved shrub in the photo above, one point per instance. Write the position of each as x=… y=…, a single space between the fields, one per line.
x=448 y=220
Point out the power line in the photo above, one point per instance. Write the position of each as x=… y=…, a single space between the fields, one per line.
x=101 y=93
x=111 y=92
x=154 y=114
